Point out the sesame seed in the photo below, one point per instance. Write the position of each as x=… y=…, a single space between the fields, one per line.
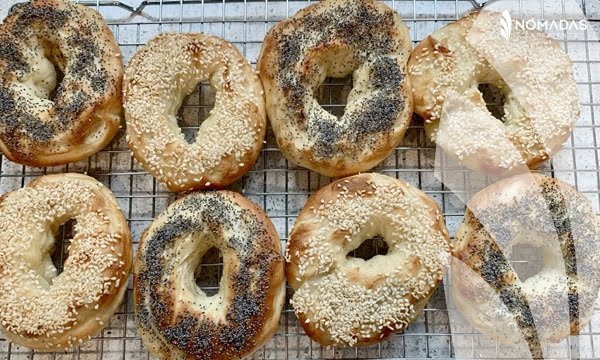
x=57 y=305
x=152 y=94
x=461 y=123
x=325 y=296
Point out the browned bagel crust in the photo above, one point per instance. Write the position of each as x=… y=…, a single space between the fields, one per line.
x=334 y=221
x=228 y=141
x=336 y=38
x=48 y=312
x=539 y=211
x=174 y=321
x=47 y=121
x=534 y=74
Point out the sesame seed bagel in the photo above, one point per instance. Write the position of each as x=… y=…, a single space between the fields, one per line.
x=336 y=38
x=175 y=318
x=558 y=301
x=40 y=308
x=344 y=301
x=531 y=70
x=228 y=141
x=47 y=120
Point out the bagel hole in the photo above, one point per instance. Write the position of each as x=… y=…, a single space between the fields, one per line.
x=369 y=248
x=526 y=260
x=55 y=56
x=333 y=94
x=208 y=273
x=60 y=75
x=494 y=99
x=195 y=108
x=63 y=237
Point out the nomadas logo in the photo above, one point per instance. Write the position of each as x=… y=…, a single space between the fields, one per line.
x=507 y=24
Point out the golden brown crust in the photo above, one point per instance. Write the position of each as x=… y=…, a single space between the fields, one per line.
x=534 y=74
x=300 y=52
x=185 y=323
x=334 y=221
x=556 y=302
x=47 y=123
x=422 y=97
x=67 y=309
x=228 y=141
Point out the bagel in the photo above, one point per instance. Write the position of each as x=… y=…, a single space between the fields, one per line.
x=531 y=70
x=343 y=301
x=558 y=301
x=175 y=318
x=336 y=38
x=47 y=121
x=44 y=310
x=228 y=141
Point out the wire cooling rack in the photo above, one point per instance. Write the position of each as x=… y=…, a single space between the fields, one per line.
x=282 y=189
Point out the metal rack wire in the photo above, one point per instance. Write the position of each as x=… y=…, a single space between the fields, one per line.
x=281 y=189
